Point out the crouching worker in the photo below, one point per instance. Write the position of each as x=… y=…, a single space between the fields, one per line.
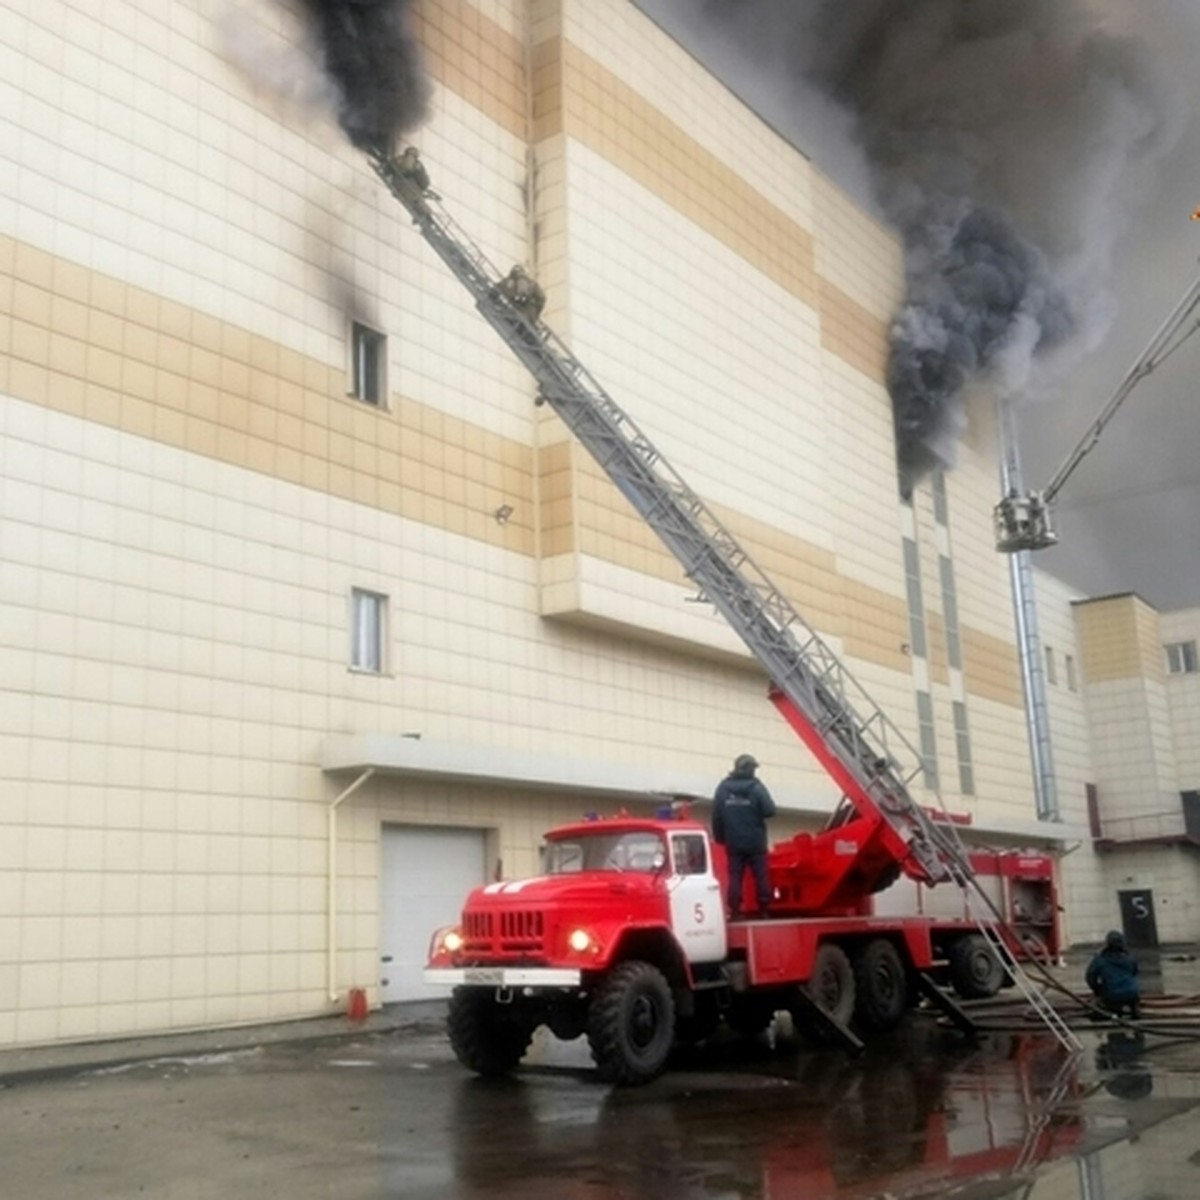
x=1112 y=976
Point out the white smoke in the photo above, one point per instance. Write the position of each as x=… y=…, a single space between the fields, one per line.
x=275 y=58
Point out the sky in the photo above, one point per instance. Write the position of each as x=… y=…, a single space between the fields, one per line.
x=1092 y=183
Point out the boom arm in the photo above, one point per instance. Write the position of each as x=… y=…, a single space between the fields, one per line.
x=868 y=757
x=1023 y=522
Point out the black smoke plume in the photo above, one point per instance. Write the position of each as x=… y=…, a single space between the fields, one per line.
x=1006 y=141
x=970 y=111
x=975 y=293
x=375 y=63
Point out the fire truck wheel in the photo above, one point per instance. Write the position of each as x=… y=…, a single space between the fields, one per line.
x=881 y=986
x=975 y=971
x=488 y=1038
x=631 y=1023
x=832 y=985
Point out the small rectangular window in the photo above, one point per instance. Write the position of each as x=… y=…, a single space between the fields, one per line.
x=950 y=610
x=1051 y=669
x=941 y=507
x=1181 y=658
x=367 y=358
x=916 y=601
x=691 y=857
x=962 y=739
x=368 y=630
x=1095 y=826
x=928 y=739
x=1072 y=677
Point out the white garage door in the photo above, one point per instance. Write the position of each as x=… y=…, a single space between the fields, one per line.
x=427 y=874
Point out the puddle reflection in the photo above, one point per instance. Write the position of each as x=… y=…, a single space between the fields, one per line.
x=919 y=1111
x=922 y=1114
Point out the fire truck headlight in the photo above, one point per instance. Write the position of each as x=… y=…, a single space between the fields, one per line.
x=452 y=941
x=580 y=941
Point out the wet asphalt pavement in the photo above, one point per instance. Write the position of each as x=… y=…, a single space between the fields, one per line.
x=388 y=1112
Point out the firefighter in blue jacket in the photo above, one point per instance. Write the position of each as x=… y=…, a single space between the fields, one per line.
x=1112 y=976
x=741 y=807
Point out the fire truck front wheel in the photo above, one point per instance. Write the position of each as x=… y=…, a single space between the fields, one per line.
x=631 y=1023
x=487 y=1038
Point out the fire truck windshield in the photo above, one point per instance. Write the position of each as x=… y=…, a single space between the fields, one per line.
x=605 y=851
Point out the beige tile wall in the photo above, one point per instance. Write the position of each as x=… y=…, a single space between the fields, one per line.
x=594 y=106
x=1119 y=639
x=855 y=253
x=1089 y=902
x=173 y=650
x=232 y=394
x=1171 y=872
x=1183 y=696
x=1133 y=754
x=87 y=344
x=619 y=39
x=478 y=55
x=188 y=495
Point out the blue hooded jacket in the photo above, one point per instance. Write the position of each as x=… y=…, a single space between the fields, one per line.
x=1112 y=974
x=741 y=806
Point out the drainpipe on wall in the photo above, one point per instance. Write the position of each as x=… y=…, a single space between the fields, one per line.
x=331 y=883
x=1029 y=646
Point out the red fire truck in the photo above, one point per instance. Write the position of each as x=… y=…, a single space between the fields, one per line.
x=623 y=935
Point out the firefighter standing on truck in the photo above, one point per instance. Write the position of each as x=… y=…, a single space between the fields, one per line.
x=741 y=808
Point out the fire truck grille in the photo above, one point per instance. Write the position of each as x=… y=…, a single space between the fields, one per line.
x=505 y=932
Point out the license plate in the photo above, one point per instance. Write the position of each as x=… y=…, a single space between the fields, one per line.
x=489 y=975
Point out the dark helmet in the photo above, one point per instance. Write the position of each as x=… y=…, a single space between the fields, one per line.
x=745 y=764
x=1114 y=939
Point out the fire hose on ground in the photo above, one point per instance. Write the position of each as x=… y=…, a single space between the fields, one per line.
x=1012 y=1016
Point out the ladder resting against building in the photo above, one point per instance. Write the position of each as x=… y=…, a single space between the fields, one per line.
x=865 y=753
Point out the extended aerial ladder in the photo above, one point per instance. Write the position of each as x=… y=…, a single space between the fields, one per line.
x=868 y=757
x=1024 y=520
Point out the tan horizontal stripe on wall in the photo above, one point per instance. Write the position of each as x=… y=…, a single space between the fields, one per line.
x=591 y=516
x=874 y=625
x=575 y=94
x=86 y=344
x=483 y=63
x=990 y=667
x=475 y=58
x=556 y=498
x=851 y=332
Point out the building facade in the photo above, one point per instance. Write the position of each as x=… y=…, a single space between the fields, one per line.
x=1140 y=708
x=312 y=618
